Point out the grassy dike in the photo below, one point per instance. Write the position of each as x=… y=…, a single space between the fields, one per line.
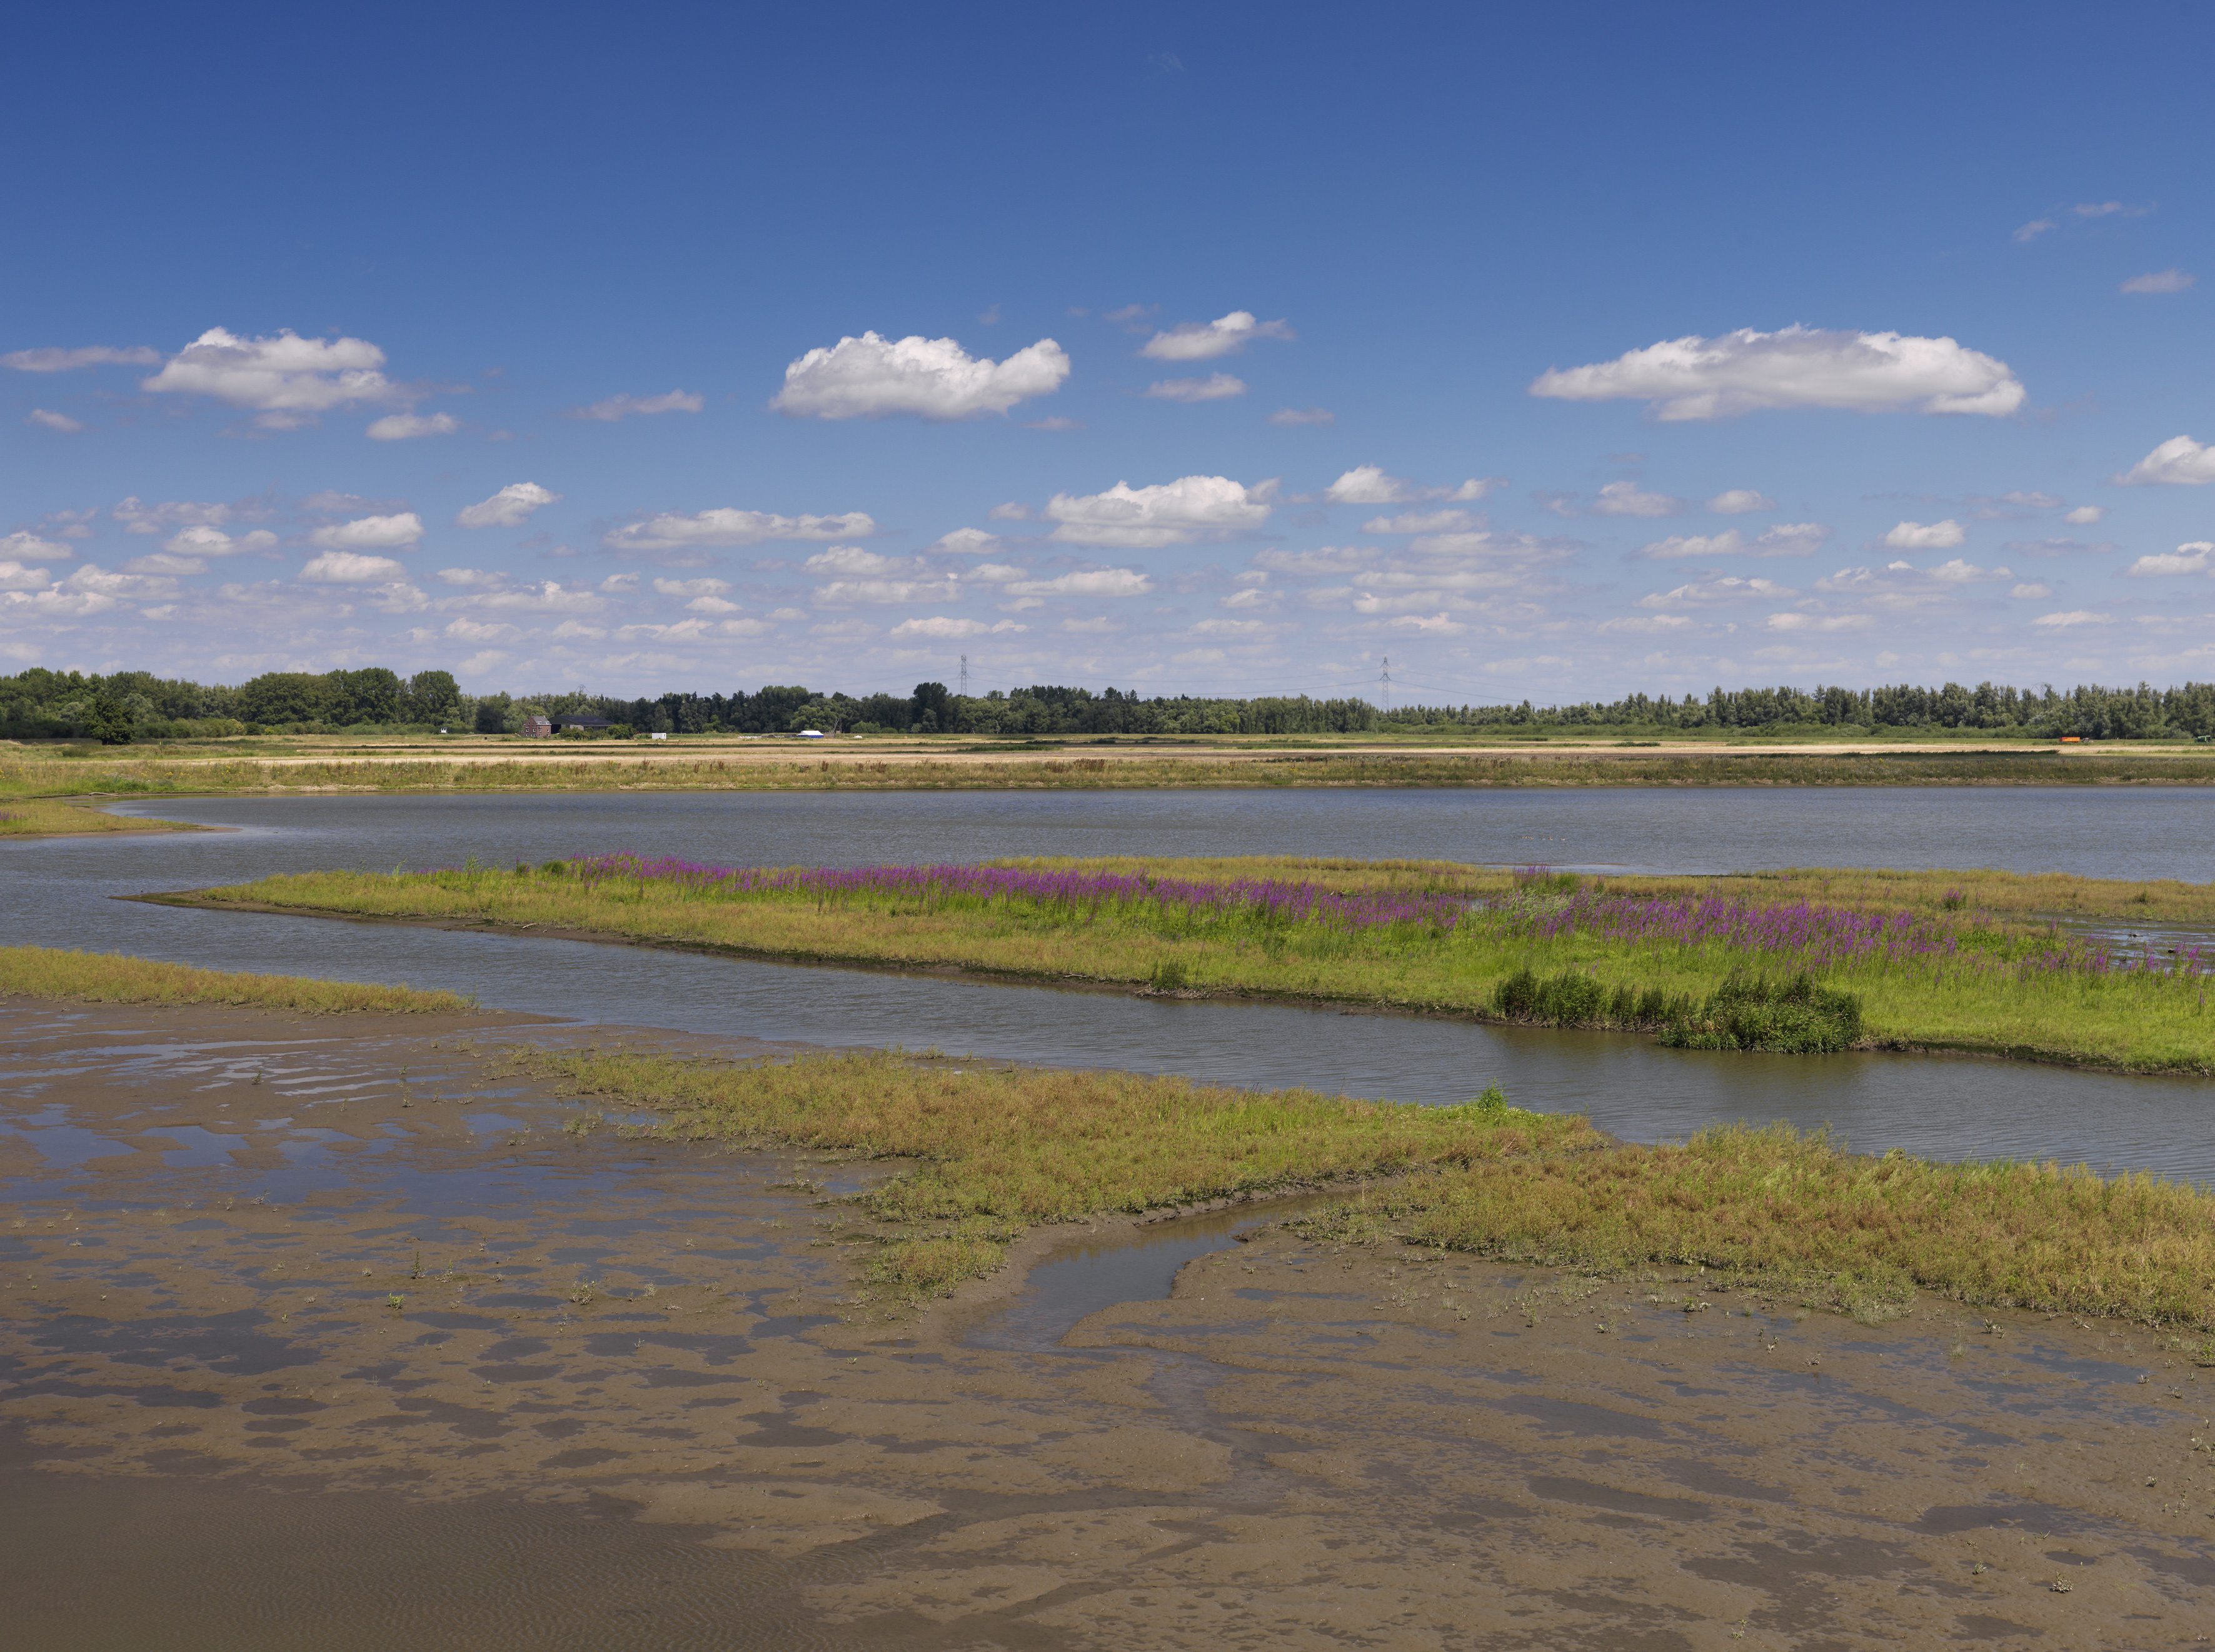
x=739 y=767
x=996 y=1152
x=1983 y=982
x=113 y=978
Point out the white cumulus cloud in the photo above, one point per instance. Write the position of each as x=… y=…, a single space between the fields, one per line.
x=944 y=625
x=2074 y=617
x=850 y=561
x=1738 y=501
x=2030 y=592
x=609 y=409
x=1628 y=499
x=509 y=508
x=1820 y=622
x=62 y=361
x=1214 y=388
x=724 y=526
x=966 y=541
x=370 y=533
x=1710 y=592
x=870 y=378
x=1093 y=582
x=141 y=518
x=1743 y=371
x=1204 y=341
x=14 y=576
x=1168 y=513
x=2179 y=460
x=888 y=591
x=2159 y=281
x=352 y=568
x=1368 y=485
x=167 y=563
x=53 y=421
x=1785 y=539
x=23 y=546
x=201 y=540
x=2197 y=557
x=2084 y=516
x=1925 y=535
x=1421 y=522
x=287 y=376
x=1291 y=417
x=406 y=428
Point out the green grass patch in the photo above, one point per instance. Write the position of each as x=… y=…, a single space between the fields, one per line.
x=996 y=1151
x=113 y=978
x=1798 y=1214
x=42 y=817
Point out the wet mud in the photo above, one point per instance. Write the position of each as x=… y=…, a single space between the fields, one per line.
x=323 y=1330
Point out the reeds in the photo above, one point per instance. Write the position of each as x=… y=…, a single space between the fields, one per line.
x=113 y=978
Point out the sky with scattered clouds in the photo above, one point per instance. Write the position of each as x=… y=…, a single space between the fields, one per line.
x=1550 y=352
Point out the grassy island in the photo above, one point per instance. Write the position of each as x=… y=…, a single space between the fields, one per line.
x=1811 y=961
x=998 y=1150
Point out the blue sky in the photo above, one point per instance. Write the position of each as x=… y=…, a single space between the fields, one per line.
x=1225 y=349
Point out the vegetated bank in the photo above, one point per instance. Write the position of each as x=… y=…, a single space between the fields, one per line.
x=115 y=978
x=1805 y=961
x=735 y=766
x=42 y=817
x=999 y=1151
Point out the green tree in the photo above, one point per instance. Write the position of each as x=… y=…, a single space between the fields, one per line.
x=433 y=697
x=111 y=721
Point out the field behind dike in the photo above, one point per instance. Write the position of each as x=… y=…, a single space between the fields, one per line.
x=994 y=1152
x=1965 y=962
x=731 y=765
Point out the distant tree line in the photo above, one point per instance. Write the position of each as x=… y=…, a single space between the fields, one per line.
x=124 y=706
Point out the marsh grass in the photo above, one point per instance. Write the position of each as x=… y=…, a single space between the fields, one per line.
x=1983 y=974
x=1796 y=1214
x=113 y=978
x=41 y=817
x=993 y=1151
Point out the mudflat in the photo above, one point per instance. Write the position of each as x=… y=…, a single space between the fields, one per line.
x=323 y=1327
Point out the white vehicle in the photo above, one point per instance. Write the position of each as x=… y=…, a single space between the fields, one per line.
x=811 y=734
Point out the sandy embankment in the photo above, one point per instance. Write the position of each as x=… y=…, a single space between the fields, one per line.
x=647 y=1355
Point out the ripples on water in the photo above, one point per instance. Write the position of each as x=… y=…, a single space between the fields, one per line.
x=1942 y=1108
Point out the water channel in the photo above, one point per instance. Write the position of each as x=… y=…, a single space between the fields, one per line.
x=56 y=893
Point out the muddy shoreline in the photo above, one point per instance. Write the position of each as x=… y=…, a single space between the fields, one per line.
x=193 y=900
x=639 y=1359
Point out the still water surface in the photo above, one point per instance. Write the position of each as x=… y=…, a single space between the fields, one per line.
x=54 y=895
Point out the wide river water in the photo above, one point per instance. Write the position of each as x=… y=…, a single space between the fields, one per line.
x=55 y=893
